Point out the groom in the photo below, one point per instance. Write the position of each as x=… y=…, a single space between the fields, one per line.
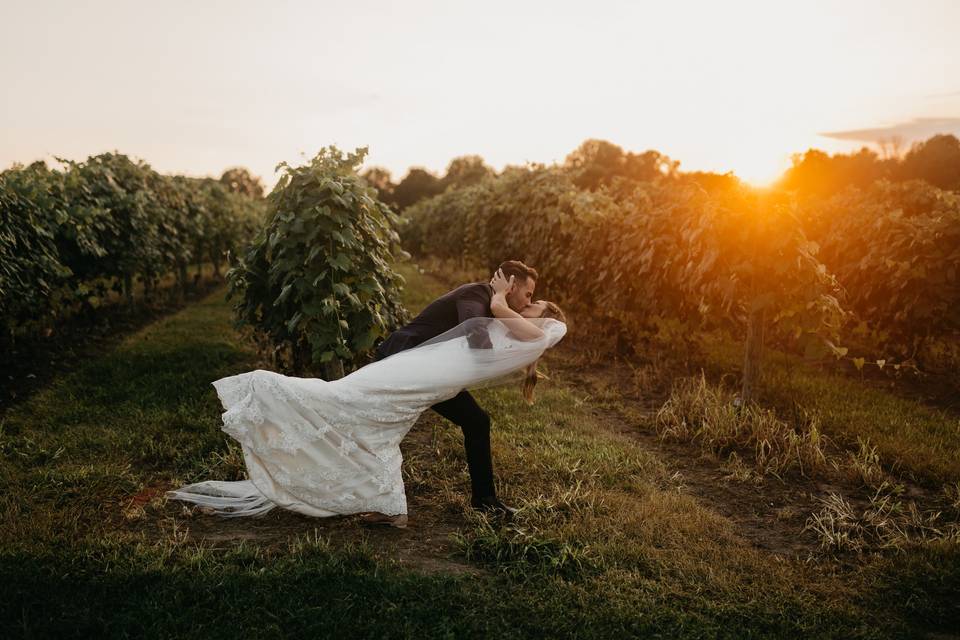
x=467 y=301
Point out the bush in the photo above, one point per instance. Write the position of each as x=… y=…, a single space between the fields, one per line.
x=317 y=280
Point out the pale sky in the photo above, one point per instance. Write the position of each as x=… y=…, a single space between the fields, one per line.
x=197 y=87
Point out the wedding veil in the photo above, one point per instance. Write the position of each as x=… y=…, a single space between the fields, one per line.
x=478 y=352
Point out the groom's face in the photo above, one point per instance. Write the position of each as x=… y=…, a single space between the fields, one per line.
x=521 y=295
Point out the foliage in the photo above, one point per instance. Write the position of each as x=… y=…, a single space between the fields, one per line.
x=420 y=183
x=318 y=277
x=465 y=171
x=30 y=268
x=665 y=250
x=68 y=237
x=936 y=160
x=746 y=253
x=415 y=186
x=239 y=180
x=597 y=163
x=895 y=247
x=817 y=174
x=381 y=180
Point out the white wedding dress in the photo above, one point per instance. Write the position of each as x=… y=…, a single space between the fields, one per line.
x=325 y=448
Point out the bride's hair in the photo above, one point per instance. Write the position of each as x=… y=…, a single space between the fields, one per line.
x=530 y=380
x=553 y=311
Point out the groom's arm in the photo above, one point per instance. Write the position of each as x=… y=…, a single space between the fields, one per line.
x=475 y=303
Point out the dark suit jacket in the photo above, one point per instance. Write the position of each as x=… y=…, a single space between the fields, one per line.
x=466 y=301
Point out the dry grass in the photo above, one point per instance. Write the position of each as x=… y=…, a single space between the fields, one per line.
x=863 y=465
x=952 y=493
x=884 y=522
x=700 y=412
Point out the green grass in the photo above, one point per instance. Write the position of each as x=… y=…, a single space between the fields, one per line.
x=607 y=544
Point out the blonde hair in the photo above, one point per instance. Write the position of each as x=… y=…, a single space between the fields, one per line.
x=530 y=380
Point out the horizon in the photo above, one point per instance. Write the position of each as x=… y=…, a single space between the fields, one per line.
x=196 y=90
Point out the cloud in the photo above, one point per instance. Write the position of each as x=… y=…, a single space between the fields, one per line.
x=916 y=129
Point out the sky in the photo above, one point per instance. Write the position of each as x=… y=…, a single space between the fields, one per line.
x=197 y=87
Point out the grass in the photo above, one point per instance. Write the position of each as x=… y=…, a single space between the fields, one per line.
x=919 y=441
x=885 y=522
x=607 y=542
x=699 y=411
x=31 y=362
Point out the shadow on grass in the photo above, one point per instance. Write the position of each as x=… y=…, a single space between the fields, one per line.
x=318 y=592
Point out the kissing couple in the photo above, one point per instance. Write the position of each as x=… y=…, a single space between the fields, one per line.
x=332 y=447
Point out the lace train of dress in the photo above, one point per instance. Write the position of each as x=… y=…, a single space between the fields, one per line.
x=325 y=448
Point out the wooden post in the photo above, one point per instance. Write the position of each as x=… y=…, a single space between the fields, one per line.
x=751 y=356
x=184 y=285
x=128 y=288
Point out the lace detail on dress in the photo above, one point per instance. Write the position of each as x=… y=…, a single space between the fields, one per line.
x=268 y=414
x=347 y=446
x=238 y=418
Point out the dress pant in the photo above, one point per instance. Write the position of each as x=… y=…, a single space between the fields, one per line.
x=463 y=411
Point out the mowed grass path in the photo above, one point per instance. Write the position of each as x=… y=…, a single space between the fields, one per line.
x=606 y=545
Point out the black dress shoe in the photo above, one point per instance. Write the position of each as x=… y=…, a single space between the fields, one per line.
x=492 y=505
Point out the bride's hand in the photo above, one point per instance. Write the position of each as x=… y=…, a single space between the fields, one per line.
x=500 y=283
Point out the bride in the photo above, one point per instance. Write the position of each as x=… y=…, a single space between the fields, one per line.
x=325 y=448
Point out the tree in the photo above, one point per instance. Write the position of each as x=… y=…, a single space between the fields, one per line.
x=936 y=160
x=818 y=174
x=466 y=171
x=239 y=180
x=381 y=180
x=815 y=173
x=597 y=163
x=415 y=186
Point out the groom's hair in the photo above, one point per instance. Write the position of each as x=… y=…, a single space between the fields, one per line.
x=519 y=270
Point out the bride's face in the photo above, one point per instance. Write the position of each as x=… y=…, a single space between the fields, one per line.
x=534 y=309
